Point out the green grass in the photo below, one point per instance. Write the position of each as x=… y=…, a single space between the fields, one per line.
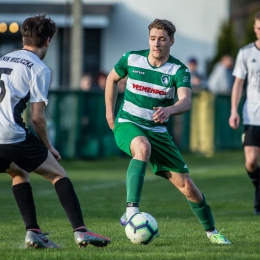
x=100 y=185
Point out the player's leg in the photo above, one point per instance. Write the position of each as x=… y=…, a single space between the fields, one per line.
x=132 y=140
x=252 y=168
x=167 y=162
x=197 y=203
x=32 y=155
x=140 y=149
x=52 y=170
x=251 y=144
x=195 y=198
x=24 y=157
x=23 y=195
x=22 y=191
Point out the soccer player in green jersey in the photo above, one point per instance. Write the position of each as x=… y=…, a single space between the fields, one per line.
x=153 y=78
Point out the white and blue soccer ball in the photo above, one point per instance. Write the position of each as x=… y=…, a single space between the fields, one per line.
x=141 y=228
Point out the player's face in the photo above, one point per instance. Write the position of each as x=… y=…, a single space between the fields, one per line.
x=257 y=29
x=160 y=43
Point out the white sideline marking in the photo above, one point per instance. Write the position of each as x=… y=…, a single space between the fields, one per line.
x=101 y=186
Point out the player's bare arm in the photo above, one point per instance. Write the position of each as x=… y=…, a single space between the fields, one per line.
x=181 y=106
x=39 y=124
x=111 y=92
x=234 y=118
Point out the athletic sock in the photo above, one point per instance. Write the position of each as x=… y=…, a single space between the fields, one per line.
x=203 y=212
x=69 y=202
x=81 y=229
x=37 y=231
x=254 y=177
x=134 y=180
x=210 y=233
x=24 y=199
x=131 y=209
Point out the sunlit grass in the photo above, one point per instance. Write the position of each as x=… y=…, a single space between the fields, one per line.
x=100 y=185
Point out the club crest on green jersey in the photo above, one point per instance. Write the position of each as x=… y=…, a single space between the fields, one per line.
x=165 y=79
x=186 y=79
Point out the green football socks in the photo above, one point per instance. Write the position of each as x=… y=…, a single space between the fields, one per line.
x=134 y=180
x=203 y=212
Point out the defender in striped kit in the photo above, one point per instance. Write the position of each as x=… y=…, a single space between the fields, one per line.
x=153 y=79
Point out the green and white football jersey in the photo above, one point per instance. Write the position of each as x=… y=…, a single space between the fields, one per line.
x=147 y=87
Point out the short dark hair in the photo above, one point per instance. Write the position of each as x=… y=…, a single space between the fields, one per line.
x=163 y=25
x=37 y=29
x=257 y=16
x=193 y=60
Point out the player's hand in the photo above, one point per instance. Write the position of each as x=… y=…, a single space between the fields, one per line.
x=234 y=120
x=55 y=153
x=161 y=114
x=111 y=122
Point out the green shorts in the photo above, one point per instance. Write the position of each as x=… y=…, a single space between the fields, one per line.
x=165 y=155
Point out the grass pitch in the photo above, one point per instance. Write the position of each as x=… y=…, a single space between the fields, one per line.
x=100 y=185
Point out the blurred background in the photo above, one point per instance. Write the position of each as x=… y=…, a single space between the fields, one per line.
x=92 y=37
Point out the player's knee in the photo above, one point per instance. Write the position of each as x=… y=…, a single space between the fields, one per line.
x=141 y=148
x=251 y=164
x=51 y=172
x=54 y=176
x=142 y=151
x=15 y=171
x=145 y=148
x=189 y=188
x=59 y=173
x=19 y=174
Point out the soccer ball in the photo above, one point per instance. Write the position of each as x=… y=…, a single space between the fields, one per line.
x=141 y=228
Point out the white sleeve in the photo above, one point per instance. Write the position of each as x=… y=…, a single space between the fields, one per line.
x=40 y=86
x=240 y=69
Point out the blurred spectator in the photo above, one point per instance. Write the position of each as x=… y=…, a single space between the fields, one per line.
x=221 y=80
x=100 y=82
x=121 y=84
x=86 y=82
x=198 y=81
